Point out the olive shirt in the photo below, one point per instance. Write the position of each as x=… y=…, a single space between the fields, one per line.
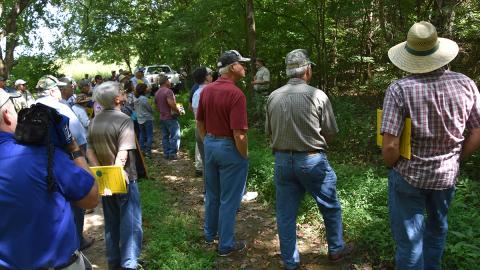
x=109 y=132
x=297 y=117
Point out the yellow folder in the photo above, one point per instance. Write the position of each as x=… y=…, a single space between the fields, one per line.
x=405 y=137
x=109 y=178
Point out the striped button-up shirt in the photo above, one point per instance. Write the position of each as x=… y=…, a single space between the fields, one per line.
x=298 y=117
x=441 y=105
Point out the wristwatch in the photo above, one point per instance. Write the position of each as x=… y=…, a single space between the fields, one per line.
x=76 y=154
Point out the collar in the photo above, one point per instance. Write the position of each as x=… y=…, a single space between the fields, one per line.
x=296 y=81
x=224 y=80
x=5 y=136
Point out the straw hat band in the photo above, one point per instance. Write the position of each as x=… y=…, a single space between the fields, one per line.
x=422 y=53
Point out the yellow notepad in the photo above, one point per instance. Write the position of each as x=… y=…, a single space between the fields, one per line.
x=405 y=137
x=109 y=178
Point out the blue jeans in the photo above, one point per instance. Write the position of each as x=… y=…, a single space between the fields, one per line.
x=295 y=174
x=225 y=176
x=419 y=241
x=123 y=228
x=170 y=137
x=146 y=137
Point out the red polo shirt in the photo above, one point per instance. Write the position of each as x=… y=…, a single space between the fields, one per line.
x=223 y=108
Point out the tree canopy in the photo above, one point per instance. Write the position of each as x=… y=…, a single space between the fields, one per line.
x=348 y=40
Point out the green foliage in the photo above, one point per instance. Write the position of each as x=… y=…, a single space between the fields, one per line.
x=171 y=238
x=362 y=188
x=31 y=68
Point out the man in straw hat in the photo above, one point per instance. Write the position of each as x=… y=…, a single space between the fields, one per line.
x=441 y=104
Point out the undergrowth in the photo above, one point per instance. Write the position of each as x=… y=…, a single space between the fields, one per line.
x=362 y=186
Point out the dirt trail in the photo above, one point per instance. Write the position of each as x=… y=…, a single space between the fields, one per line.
x=255 y=223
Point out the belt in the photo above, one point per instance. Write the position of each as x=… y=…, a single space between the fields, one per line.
x=291 y=152
x=70 y=261
x=219 y=137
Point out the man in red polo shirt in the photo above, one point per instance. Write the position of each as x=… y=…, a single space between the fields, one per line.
x=222 y=124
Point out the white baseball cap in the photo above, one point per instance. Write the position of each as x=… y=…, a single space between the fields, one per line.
x=19 y=82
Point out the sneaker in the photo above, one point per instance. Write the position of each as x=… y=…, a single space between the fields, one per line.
x=198 y=173
x=338 y=256
x=173 y=157
x=249 y=196
x=239 y=246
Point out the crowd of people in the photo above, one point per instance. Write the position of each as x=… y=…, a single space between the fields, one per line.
x=106 y=119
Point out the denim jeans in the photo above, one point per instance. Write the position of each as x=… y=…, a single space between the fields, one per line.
x=123 y=228
x=225 y=176
x=146 y=137
x=170 y=137
x=295 y=174
x=419 y=241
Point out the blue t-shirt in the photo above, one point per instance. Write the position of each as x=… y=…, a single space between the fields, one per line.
x=36 y=226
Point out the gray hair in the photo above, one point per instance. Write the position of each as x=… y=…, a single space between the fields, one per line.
x=297 y=72
x=48 y=92
x=224 y=70
x=106 y=93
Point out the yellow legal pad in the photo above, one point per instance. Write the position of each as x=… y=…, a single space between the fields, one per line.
x=405 y=146
x=109 y=177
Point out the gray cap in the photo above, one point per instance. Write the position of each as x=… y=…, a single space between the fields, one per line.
x=297 y=59
x=230 y=57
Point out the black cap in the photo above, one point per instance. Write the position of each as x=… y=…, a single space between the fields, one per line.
x=2 y=78
x=230 y=57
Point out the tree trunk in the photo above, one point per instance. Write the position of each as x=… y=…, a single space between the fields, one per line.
x=252 y=39
x=11 y=35
x=444 y=16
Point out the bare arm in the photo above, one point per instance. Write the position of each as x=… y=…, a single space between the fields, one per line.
x=390 y=149
x=201 y=129
x=90 y=200
x=241 y=142
x=173 y=105
x=471 y=144
x=92 y=157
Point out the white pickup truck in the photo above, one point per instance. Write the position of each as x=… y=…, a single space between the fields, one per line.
x=152 y=73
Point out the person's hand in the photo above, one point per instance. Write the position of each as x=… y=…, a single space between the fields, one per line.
x=107 y=192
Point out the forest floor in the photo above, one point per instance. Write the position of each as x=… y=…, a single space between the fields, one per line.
x=256 y=224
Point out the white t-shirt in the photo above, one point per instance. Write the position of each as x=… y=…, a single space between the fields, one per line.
x=196 y=99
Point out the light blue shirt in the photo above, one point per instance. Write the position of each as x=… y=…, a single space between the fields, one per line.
x=74 y=124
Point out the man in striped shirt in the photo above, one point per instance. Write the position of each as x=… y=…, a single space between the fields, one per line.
x=441 y=105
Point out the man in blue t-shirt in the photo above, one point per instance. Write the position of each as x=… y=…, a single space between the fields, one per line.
x=37 y=227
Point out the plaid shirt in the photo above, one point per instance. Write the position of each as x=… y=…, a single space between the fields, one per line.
x=441 y=105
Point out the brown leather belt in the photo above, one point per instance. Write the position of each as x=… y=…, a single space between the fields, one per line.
x=291 y=152
x=219 y=137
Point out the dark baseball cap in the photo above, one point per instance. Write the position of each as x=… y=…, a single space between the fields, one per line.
x=2 y=78
x=230 y=57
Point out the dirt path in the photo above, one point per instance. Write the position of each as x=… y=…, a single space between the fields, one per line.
x=94 y=228
x=255 y=223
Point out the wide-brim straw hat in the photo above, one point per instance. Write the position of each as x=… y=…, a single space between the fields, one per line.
x=423 y=51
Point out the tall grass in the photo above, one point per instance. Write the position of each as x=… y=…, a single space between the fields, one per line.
x=172 y=238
